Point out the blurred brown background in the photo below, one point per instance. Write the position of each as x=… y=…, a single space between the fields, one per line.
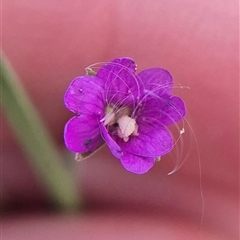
x=51 y=42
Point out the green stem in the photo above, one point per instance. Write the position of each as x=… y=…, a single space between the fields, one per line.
x=36 y=140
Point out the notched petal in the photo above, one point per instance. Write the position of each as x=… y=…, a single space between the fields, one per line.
x=153 y=140
x=156 y=81
x=85 y=96
x=136 y=164
x=82 y=134
x=121 y=83
x=173 y=111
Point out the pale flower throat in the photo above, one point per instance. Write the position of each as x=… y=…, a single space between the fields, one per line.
x=122 y=122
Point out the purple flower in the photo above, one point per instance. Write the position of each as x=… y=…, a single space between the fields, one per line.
x=128 y=111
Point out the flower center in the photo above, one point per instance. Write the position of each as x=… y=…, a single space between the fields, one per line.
x=121 y=121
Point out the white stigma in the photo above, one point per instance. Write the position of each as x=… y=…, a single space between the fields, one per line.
x=127 y=127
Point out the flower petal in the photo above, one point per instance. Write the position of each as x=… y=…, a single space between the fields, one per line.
x=121 y=83
x=173 y=111
x=136 y=164
x=82 y=134
x=157 y=81
x=85 y=96
x=113 y=146
x=153 y=140
x=165 y=109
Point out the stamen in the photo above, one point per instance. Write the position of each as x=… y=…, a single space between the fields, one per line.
x=109 y=119
x=182 y=131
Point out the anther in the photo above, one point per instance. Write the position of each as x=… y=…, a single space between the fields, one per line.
x=182 y=131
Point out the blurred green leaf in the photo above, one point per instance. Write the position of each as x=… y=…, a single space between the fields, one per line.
x=36 y=140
